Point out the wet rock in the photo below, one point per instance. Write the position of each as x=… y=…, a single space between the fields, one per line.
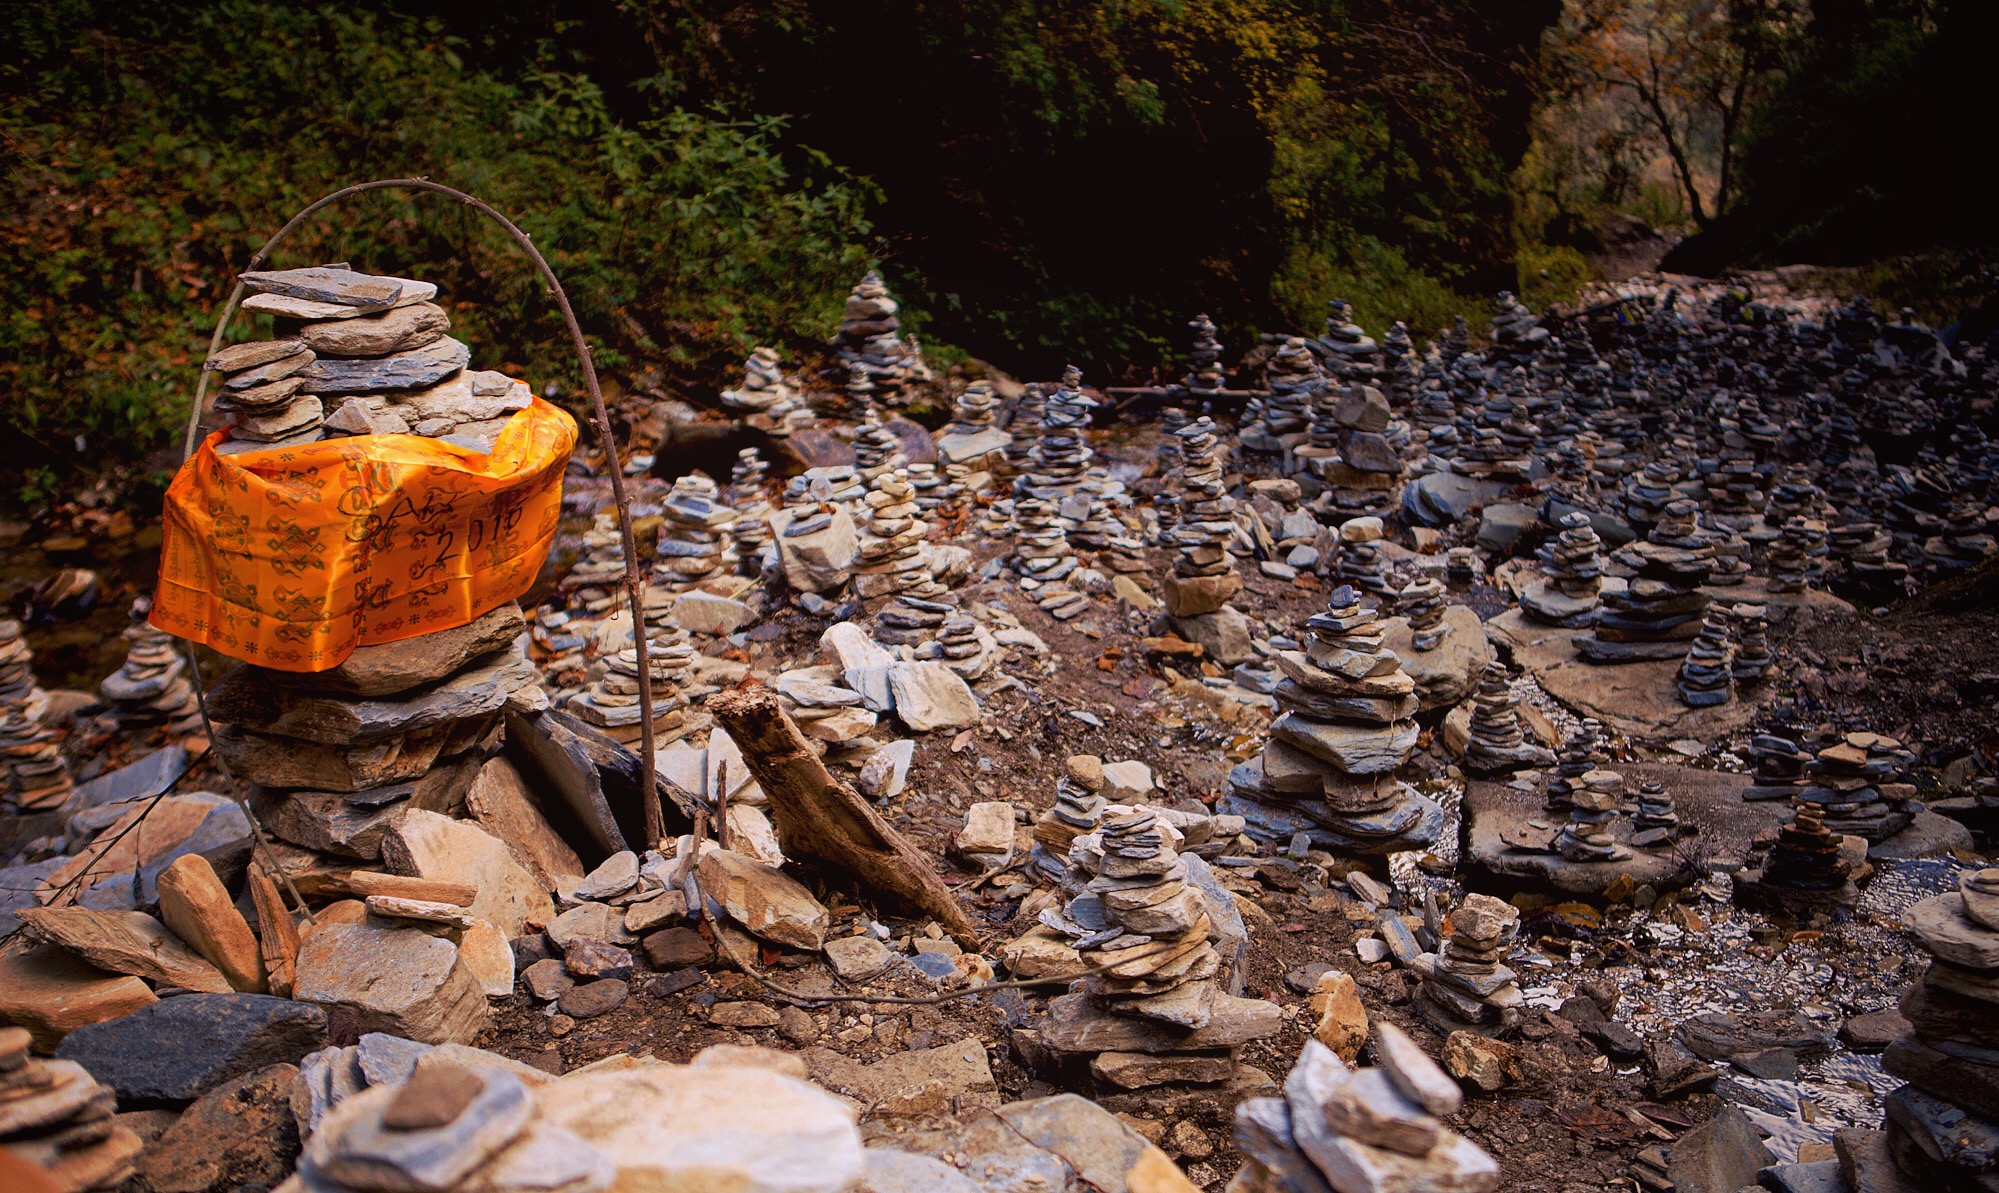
x=1718 y=1156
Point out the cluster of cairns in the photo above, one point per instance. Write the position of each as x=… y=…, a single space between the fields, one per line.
x=355 y=354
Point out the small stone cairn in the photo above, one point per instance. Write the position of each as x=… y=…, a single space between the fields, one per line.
x=19 y=690
x=971 y=438
x=1581 y=752
x=869 y=342
x=768 y=400
x=694 y=539
x=1498 y=745
x=55 y=1116
x=151 y=687
x=1203 y=576
x=1704 y=680
x=1592 y=806
x=356 y=354
x=1572 y=576
x=1935 y=1123
x=1347 y=722
x=1663 y=604
x=1207 y=374
x=1360 y=1131
x=1467 y=985
x=893 y=558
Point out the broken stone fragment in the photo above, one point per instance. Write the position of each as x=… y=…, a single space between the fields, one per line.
x=194 y=903
x=395 y=980
x=764 y=901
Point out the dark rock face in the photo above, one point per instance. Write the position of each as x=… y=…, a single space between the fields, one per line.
x=178 y=1049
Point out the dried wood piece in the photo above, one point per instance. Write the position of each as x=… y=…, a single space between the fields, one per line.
x=821 y=819
x=362 y=883
x=277 y=932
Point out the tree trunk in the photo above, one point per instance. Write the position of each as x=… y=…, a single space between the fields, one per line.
x=822 y=819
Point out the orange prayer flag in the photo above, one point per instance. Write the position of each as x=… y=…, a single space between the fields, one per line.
x=290 y=558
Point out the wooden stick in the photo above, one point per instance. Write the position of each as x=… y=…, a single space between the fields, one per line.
x=822 y=819
x=277 y=934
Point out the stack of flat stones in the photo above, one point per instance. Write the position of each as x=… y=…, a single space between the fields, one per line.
x=1752 y=657
x=1498 y=745
x=869 y=343
x=1790 y=558
x=151 y=687
x=1349 y=350
x=892 y=557
x=368 y=356
x=1942 y=1127
x=1207 y=373
x=1657 y=820
x=1805 y=869
x=1704 y=679
x=1078 y=809
x=1662 y=606
x=971 y=437
x=56 y=1117
x=33 y=775
x=1060 y=457
x=770 y=402
x=1042 y=553
x=1360 y=1131
x=877 y=450
x=694 y=539
x=1856 y=781
x=1592 y=806
x=612 y=702
x=599 y=575
x=962 y=646
x=1347 y=723
x=1647 y=494
x=1581 y=751
x=1203 y=576
x=1515 y=330
x=1467 y=985
x=909 y=621
x=1423 y=604
x=1571 y=576
x=1863 y=547
x=1283 y=413
x=751 y=530
x=19 y=690
x=332 y=756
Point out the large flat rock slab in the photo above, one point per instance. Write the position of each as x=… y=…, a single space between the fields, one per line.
x=1710 y=801
x=1636 y=699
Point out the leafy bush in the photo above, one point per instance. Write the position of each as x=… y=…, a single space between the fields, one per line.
x=152 y=148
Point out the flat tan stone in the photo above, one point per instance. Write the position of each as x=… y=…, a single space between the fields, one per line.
x=426 y=845
x=126 y=942
x=198 y=908
x=500 y=801
x=52 y=992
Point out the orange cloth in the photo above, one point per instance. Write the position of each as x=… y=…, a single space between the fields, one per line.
x=291 y=558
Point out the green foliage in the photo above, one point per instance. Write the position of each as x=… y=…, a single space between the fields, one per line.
x=1551 y=274
x=1377 y=279
x=152 y=148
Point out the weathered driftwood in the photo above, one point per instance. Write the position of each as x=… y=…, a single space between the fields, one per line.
x=821 y=819
x=277 y=934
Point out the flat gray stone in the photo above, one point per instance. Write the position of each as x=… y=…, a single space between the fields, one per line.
x=417 y=368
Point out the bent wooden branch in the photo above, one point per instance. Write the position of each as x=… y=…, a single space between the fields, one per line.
x=822 y=819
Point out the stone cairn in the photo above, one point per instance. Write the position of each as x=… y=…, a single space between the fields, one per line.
x=1078 y=809
x=1657 y=820
x=1592 y=806
x=1752 y=658
x=356 y=354
x=1360 y=1131
x=1663 y=605
x=334 y=756
x=1581 y=752
x=151 y=687
x=19 y=690
x=1045 y=560
x=1937 y=1124
x=1293 y=383
x=971 y=438
x=1498 y=745
x=1804 y=869
x=1203 y=576
x=1206 y=374
x=1467 y=985
x=877 y=450
x=768 y=400
x=1863 y=549
x=611 y=703
x=55 y=1116
x=1423 y=604
x=869 y=343
x=892 y=557
x=597 y=581
x=1855 y=781
x=1515 y=330
x=1060 y=458
x=1571 y=576
x=750 y=532
x=1348 y=349
x=1347 y=723
x=1704 y=679
x=694 y=539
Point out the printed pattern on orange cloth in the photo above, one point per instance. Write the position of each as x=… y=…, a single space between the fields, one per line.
x=291 y=558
